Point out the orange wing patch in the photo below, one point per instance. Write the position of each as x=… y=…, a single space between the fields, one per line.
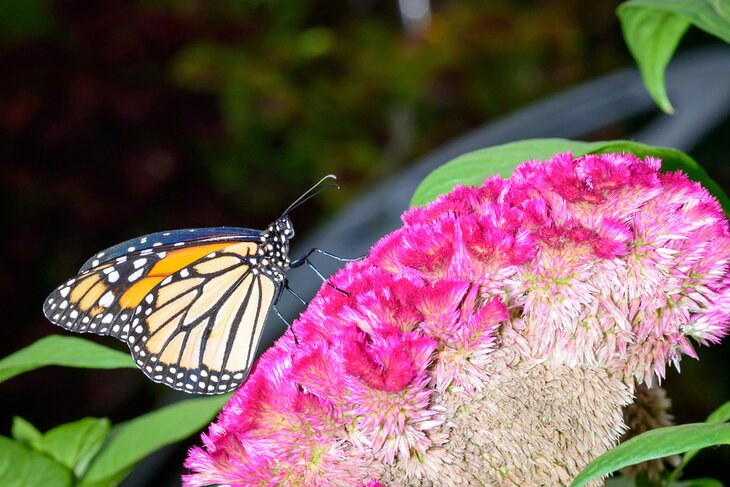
x=174 y=261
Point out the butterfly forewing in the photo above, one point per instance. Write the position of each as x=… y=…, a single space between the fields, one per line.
x=101 y=299
x=198 y=329
x=172 y=238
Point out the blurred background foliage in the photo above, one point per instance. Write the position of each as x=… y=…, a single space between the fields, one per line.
x=119 y=118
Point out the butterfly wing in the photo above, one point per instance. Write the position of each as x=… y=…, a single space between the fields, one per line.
x=101 y=299
x=199 y=329
x=173 y=238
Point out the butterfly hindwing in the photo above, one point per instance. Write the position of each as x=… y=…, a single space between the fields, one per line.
x=198 y=330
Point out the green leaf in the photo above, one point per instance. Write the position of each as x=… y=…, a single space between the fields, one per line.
x=62 y=350
x=75 y=444
x=473 y=168
x=21 y=467
x=704 y=482
x=653 y=28
x=719 y=415
x=24 y=432
x=672 y=160
x=657 y=443
x=652 y=37
x=130 y=442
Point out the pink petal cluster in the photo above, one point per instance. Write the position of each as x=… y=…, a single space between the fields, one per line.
x=597 y=262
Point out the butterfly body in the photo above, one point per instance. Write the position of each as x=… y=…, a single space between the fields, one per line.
x=190 y=304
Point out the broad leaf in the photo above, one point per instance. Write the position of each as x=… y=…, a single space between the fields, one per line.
x=21 y=467
x=75 y=444
x=473 y=168
x=653 y=28
x=63 y=350
x=130 y=442
x=24 y=432
x=657 y=443
x=719 y=415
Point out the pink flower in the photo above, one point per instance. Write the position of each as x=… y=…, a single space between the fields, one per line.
x=495 y=320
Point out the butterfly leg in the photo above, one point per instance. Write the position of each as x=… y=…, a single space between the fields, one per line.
x=304 y=258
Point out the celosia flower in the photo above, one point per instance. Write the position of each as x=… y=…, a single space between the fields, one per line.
x=493 y=339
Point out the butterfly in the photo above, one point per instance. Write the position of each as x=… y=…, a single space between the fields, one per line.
x=190 y=304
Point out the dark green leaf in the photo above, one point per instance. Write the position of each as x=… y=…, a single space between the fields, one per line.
x=21 y=467
x=130 y=442
x=657 y=443
x=653 y=28
x=75 y=444
x=24 y=432
x=473 y=168
x=62 y=350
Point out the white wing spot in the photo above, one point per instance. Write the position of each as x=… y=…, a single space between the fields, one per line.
x=108 y=318
x=238 y=375
x=193 y=377
x=131 y=249
x=225 y=377
x=149 y=299
x=123 y=317
x=135 y=275
x=166 y=234
x=114 y=276
x=178 y=244
x=158 y=368
x=107 y=299
x=74 y=314
x=157 y=244
x=143 y=240
x=115 y=328
x=64 y=291
x=184 y=273
x=131 y=340
x=94 y=262
x=167 y=280
x=162 y=255
x=203 y=373
x=139 y=263
x=158 y=377
x=139 y=329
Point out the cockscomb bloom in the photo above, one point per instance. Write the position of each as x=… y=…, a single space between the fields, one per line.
x=492 y=340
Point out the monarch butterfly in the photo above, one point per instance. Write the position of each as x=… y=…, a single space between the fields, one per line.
x=190 y=304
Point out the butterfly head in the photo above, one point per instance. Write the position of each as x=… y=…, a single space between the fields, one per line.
x=284 y=227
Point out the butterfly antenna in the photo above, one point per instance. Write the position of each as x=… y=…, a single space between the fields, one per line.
x=309 y=194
